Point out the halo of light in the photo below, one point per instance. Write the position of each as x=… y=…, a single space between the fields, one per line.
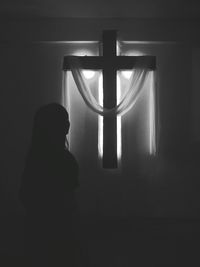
x=119 y=123
x=127 y=73
x=88 y=74
x=100 y=119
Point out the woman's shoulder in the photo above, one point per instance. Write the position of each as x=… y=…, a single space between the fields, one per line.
x=68 y=156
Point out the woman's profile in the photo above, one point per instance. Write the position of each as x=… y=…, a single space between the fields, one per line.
x=49 y=181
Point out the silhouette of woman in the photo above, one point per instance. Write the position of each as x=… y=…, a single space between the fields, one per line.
x=49 y=181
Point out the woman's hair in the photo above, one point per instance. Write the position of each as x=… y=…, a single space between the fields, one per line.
x=51 y=124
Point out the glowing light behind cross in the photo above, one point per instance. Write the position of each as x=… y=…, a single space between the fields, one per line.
x=100 y=118
x=152 y=123
x=89 y=74
x=126 y=74
x=119 y=122
x=152 y=133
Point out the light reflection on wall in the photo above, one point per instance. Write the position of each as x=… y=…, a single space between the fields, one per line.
x=127 y=51
x=83 y=52
x=119 y=122
x=152 y=115
x=100 y=118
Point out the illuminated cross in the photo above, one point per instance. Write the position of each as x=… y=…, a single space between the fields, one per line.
x=110 y=63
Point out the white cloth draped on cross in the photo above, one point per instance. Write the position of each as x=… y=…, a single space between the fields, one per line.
x=133 y=91
x=140 y=78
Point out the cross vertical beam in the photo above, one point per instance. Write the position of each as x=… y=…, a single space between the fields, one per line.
x=109 y=100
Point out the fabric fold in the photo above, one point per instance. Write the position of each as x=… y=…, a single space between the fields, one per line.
x=128 y=100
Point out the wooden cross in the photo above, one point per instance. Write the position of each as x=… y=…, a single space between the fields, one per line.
x=110 y=63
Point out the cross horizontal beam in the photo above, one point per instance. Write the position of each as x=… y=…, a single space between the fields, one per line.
x=118 y=63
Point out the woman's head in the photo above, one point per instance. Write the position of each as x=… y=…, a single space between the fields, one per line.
x=51 y=125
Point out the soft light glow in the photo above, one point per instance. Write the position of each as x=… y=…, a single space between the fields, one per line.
x=83 y=52
x=88 y=74
x=152 y=126
x=119 y=131
x=134 y=53
x=100 y=118
x=118 y=48
x=67 y=101
x=127 y=73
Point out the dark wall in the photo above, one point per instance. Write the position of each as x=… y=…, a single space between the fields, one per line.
x=31 y=76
